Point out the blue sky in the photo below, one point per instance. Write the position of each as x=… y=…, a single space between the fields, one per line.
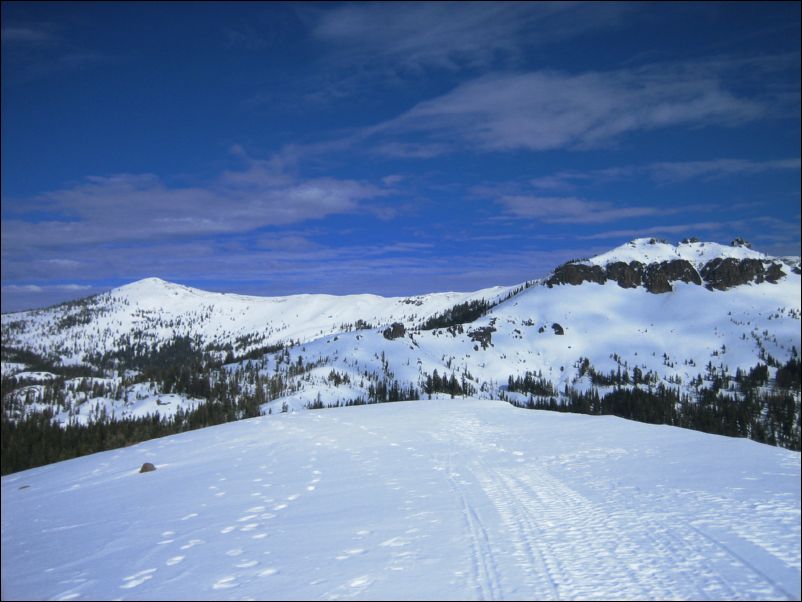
x=389 y=148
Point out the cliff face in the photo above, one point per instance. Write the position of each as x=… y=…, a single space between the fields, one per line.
x=720 y=274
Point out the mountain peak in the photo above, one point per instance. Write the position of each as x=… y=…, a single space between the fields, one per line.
x=148 y=287
x=655 y=250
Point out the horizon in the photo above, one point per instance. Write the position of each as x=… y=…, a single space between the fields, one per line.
x=535 y=279
x=386 y=149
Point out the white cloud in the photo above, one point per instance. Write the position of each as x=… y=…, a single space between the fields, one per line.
x=451 y=35
x=139 y=207
x=49 y=288
x=665 y=172
x=571 y=210
x=547 y=110
x=27 y=36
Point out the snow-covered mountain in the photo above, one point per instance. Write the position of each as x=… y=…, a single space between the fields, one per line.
x=449 y=499
x=691 y=324
x=153 y=311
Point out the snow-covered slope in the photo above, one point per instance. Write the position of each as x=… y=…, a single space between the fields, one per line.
x=689 y=318
x=651 y=250
x=458 y=499
x=674 y=336
x=153 y=310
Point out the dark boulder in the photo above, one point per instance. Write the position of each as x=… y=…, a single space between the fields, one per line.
x=659 y=276
x=577 y=273
x=689 y=240
x=147 y=467
x=722 y=274
x=396 y=330
x=557 y=329
x=627 y=275
x=656 y=280
x=774 y=273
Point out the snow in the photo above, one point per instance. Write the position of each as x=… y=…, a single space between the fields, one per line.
x=35 y=375
x=650 y=250
x=674 y=335
x=691 y=325
x=158 y=311
x=11 y=368
x=440 y=499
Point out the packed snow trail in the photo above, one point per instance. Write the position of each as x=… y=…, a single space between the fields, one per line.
x=438 y=499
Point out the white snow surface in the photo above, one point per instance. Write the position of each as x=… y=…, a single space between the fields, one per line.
x=157 y=311
x=440 y=499
x=650 y=250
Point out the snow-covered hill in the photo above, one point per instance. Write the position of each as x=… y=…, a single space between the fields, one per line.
x=154 y=311
x=447 y=499
x=693 y=322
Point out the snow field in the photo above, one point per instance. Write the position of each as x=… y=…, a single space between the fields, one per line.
x=457 y=499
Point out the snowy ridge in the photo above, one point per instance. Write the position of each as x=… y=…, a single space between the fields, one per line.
x=455 y=499
x=156 y=310
x=651 y=250
x=577 y=338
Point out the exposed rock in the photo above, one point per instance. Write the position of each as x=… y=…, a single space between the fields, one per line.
x=774 y=273
x=557 y=328
x=656 y=280
x=722 y=274
x=147 y=467
x=577 y=273
x=740 y=242
x=482 y=335
x=689 y=240
x=627 y=275
x=395 y=331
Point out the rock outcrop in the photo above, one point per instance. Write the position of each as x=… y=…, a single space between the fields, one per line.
x=723 y=273
x=720 y=273
x=395 y=331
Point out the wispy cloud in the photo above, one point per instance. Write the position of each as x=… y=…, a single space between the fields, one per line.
x=571 y=210
x=27 y=36
x=143 y=207
x=36 y=288
x=665 y=172
x=412 y=37
x=37 y=50
x=546 y=110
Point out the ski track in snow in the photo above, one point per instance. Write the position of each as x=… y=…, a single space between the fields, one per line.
x=439 y=499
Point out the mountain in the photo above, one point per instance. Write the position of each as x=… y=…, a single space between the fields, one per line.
x=698 y=334
x=444 y=499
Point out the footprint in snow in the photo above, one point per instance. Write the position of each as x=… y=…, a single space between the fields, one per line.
x=225 y=583
x=137 y=579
